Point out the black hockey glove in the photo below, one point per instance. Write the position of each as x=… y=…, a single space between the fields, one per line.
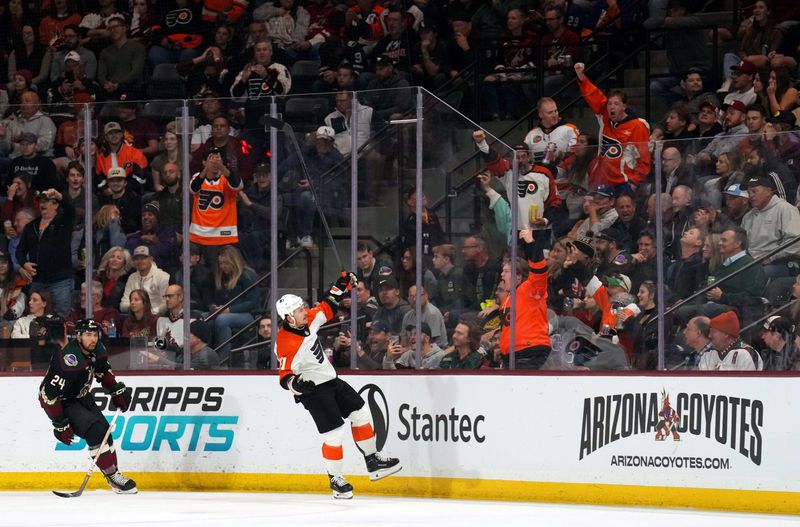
x=63 y=431
x=121 y=396
x=300 y=386
x=342 y=286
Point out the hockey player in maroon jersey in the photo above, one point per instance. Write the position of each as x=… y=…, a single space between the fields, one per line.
x=65 y=392
x=307 y=373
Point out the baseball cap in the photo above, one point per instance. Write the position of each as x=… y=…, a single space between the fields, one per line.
x=760 y=180
x=389 y=282
x=379 y=325
x=584 y=247
x=708 y=104
x=28 y=137
x=201 y=330
x=113 y=126
x=116 y=172
x=262 y=167
x=117 y=16
x=779 y=323
x=142 y=250
x=735 y=189
x=384 y=60
x=603 y=190
x=126 y=100
x=214 y=150
x=423 y=327
x=325 y=132
x=72 y=55
x=745 y=66
x=736 y=104
x=611 y=234
x=619 y=280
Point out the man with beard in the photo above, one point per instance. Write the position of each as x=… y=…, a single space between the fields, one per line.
x=612 y=257
x=66 y=397
x=628 y=223
x=169 y=198
x=733 y=127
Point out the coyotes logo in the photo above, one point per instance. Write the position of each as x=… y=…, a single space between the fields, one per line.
x=667 y=420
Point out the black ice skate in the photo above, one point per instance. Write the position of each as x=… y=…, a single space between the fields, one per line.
x=121 y=484
x=342 y=490
x=379 y=467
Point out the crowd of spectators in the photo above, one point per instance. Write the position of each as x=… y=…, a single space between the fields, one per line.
x=585 y=198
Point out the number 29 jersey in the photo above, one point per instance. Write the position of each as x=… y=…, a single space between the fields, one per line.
x=300 y=352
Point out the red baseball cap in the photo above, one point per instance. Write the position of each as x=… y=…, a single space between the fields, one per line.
x=745 y=66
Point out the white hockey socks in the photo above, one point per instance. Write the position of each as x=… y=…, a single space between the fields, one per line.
x=363 y=434
x=332 y=451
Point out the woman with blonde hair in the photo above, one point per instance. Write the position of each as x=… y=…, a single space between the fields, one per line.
x=108 y=231
x=140 y=321
x=231 y=277
x=712 y=258
x=115 y=267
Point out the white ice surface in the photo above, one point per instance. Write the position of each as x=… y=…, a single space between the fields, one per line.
x=207 y=509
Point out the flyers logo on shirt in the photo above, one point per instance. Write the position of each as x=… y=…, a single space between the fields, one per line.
x=526 y=187
x=210 y=199
x=610 y=148
x=179 y=16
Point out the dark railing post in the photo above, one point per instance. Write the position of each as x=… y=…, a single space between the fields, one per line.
x=647 y=105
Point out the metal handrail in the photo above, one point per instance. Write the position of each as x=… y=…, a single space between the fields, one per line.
x=771 y=313
x=703 y=290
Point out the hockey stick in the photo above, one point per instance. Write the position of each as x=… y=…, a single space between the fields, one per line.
x=92 y=465
x=286 y=128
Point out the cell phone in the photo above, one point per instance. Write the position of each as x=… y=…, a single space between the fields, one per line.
x=394 y=340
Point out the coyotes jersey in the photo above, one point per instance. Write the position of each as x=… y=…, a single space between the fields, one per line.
x=70 y=376
x=214 y=220
x=739 y=357
x=623 y=152
x=531 y=326
x=561 y=138
x=300 y=352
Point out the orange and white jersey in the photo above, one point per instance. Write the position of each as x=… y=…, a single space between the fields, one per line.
x=214 y=216
x=300 y=352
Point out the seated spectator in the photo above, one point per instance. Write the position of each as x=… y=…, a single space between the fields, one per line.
x=265 y=336
x=678 y=129
x=623 y=135
x=448 y=294
x=139 y=132
x=169 y=153
x=463 y=354
x=561 y=48
x=209 y=72
x=407 y=273
x=687 y=274
x=782 y=95
x=214 y=226
x=140 y=321
x=769 y=224
x=610 y=253
x=200 y=280
x=754 y=33
x=71 y=41
x=432 y=232
x=30 y=54
x=697 y=335
x=736 y=202
x=733 y=128
x=210 y=109
x=170 y=198
x=430 y=68
x=40 y=169
x=12 y=298
x=393 y=308
x=742 y=77
x=431 y=316
x=107 y=230
x=601 y=214
x=781 y=351
x=728 y=170
x=170 y=325
x=761 y=161
x=105 y=316
x=734 y=353
x=388 y=94
x=148 y=277
x=553 y=136
x=29 y=119
x=231 y=278
x=14 y=232
x=629 y=224
x=126 y=202
x=370 y=355
x=261 y=77
x=399 y=42
x=121 y=65
x=160 y=240
x=255 y=211
x=63 y=98
x=177 y=34
x=481 y=273
x=320 y=160
x=116 y=153
x=369 y=268
x=431 y=353
x=40 y=304
x=707 y=126
x=367 y=304
x=339 y=121
x=75 y=192
x=202 y=356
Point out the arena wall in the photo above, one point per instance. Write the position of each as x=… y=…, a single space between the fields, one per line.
x=584 y=439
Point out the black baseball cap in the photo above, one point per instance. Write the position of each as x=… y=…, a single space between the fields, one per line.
x=423 y=327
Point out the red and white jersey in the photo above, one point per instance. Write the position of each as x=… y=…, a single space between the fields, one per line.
x=562 y=138
x=300 y=352
x=739 y=357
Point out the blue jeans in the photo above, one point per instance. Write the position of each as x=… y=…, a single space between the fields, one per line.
x=61 y=292
x=225 y=325
x=158 y=55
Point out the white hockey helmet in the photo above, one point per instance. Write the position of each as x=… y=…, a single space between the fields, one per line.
x=287 y=305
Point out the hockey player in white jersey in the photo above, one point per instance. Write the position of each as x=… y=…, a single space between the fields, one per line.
x=307 y=373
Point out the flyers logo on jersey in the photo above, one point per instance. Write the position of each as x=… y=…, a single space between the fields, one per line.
x=210 y=199
x=610 y=148
x=526 y=187
x=179 y=16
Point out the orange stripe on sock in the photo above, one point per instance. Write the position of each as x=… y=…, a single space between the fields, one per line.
x=363 y=432
x=332 y=452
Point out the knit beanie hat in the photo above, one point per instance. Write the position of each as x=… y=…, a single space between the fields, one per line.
x=726 y=322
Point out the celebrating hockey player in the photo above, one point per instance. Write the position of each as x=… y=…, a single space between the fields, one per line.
x=65 y=392
x=307 y=373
